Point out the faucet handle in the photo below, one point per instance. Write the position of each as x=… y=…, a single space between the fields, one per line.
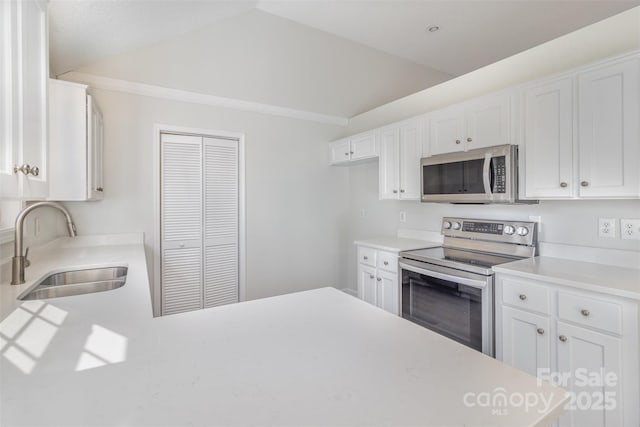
x=27 y=263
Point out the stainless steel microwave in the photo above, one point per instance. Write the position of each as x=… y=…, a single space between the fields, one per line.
x=485 y=175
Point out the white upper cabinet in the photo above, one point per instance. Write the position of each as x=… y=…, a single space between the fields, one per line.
x=581 y=133
x=358 y=147
x=399 y=167
x=23 y=108
x=76 y=143
x=548 y=139
x=608 y=121
x=480 y=122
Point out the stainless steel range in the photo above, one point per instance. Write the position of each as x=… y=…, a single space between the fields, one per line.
x=449 y=289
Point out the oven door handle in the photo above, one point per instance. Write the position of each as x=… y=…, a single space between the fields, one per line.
x=486 y=180
x=478 y=284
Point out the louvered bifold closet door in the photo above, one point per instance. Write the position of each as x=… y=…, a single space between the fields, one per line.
x=220 y=222
x=181 y=219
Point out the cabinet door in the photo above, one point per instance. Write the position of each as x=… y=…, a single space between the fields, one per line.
x=582 y=352
x=367 y=284
x=526 y=340
x=387 y=292
x=95 y=131
x=488 y=121
x=363 y=146
x=23 y=125
x=340 y=151
x=548 y=140
x=388 y=165
x=609 y=144
x=447 y=130
x=410 y=153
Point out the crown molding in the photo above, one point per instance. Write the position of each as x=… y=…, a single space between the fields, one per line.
x=154 y=91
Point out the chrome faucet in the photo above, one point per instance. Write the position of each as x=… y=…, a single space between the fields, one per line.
x=19 y=261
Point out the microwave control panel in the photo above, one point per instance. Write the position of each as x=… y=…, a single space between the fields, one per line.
x=500 y=175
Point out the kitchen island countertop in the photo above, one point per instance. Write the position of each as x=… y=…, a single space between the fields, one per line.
x=317 y=357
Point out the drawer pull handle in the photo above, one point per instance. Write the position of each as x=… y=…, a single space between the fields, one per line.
x=523 y=297
x=379 y=279
x=563 y=184
x=562 y=338
x=541 y=331
x=457 y=141
x=366 y=257
x=585 y=313
x=386 y=263
x=584 y=183
x=469 y=139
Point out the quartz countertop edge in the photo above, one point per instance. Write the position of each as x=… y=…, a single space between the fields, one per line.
x=606 y=279
x=396 y=244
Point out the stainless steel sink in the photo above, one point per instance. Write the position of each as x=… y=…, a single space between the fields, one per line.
x=77 y=282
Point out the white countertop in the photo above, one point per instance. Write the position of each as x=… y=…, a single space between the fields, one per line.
x=613 y=280
x=318 y=357
x=396 y=244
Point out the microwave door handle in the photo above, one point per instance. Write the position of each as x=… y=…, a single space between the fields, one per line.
x=486 y=178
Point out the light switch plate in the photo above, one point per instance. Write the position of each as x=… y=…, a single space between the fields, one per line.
x=403 y=216
x=607 y=227
x=630 y=228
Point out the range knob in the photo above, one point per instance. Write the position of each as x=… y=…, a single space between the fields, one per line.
x=446 y=225
x=455 y=225
x=522 y=231
x=509 y=229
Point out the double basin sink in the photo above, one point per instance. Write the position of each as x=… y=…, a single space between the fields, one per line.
x=77 y=282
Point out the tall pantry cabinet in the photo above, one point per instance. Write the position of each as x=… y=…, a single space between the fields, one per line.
x=199 y=185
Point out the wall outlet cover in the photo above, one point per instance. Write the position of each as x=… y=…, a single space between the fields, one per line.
x=630 y=228
x=607 y=227
x=403 y=216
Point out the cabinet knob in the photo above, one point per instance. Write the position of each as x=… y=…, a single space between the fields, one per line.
x=351 y=152
x=100 y=189
x=365 y=257
x=35 y=171
x=25 y=169
x=457 y=141
x=469 y=139
x=346 y=154
x=401 y=190
x=378 y=279
x=386 y=263
x=562 y=338
x=540 y=331
x=563 y=184
x=585 y=313
x=371 y=276
x=585 y=183
x=395 y=191
x=522 y=297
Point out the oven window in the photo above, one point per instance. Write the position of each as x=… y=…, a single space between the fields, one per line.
x=445 y=307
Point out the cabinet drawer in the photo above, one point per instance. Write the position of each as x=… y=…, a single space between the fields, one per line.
x=528 y=296
x=387 y=261
x=591 y=312
x=367 y=256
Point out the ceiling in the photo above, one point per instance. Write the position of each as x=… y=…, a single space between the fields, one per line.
x=471 y=34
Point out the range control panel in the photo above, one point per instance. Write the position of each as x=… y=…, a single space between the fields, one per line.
x=519 y=232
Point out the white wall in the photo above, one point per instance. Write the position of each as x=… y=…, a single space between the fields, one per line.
x=296 y=204
x=572 y=222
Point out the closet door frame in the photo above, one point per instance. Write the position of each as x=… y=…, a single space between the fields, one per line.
x=158 y=129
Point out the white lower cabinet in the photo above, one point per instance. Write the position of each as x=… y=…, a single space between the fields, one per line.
x=378 y=278
x=588 y=340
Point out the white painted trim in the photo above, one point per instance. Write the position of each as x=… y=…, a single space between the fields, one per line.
x=154 y=91
x=242 y=246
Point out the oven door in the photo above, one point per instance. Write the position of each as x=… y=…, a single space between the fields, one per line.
x=453 y=303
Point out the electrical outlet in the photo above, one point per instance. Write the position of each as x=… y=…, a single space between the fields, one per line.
x=630 y=228
x=607 y=227
x=363 y=213
x=403 y=216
